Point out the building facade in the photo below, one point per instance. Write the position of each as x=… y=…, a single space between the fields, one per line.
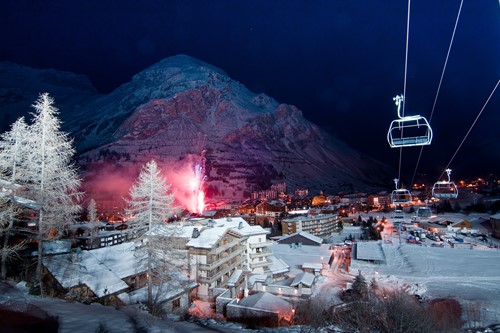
x=318 y=225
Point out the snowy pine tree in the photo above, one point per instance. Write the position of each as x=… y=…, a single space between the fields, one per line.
x=92 y=211
x=13 y=152
x=150 y=206
x=52 y=178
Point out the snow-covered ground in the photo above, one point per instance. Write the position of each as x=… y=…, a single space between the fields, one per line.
x=470 y=275
x=80 y=318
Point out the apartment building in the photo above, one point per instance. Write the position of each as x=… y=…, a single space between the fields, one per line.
x=318 y=225
x=219 y=248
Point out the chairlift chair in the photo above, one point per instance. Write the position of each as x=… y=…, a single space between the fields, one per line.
x=400 y=196
x=408 y=131
x=424 y=212
x=445 y=189
x=398 y=214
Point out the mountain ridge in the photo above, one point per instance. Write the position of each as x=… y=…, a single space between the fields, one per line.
x=183 y=111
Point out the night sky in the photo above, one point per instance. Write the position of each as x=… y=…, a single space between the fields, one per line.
x=340 y=62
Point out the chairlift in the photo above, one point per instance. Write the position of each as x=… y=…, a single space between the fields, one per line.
x=445 y=189
x=400 y=196
x=408 y=131
x=424 y=211
x=398 y=214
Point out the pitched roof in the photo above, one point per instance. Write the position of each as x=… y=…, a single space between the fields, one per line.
x=303 y=234
x=266 y=301
x=209 y=236
x=305 y=278
x=102 y=270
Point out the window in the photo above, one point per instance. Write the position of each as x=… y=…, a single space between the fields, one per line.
x=176 y=303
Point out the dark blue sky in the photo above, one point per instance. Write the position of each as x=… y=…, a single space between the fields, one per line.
x=339 y=61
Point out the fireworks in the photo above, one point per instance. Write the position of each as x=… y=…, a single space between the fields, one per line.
x=197 y=188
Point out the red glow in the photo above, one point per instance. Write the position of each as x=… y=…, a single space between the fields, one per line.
x=108 y=183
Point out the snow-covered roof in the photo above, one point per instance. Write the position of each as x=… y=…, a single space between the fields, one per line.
x=305 y=278
x=233 y=279
x=278 y=266
x=369 y=251
x=176 y=286
x=257 y=278
x=496 y=216
x=305 y=235
x=310 y=218
x=216 y=228
x=28 y=203
x=266 y=301
x=295 y=257
x=102 y=270
x=309 y=265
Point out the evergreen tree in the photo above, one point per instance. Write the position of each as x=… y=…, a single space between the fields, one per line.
x=52 y=179
x=359 y=285
x=13 y=152
x=92 y=211
x=373 y=284
x=150 y=206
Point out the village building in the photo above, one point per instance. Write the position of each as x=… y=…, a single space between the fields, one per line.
x=270 y=209
x=302 y=237
x=379 y=200
x=318 y=225
x=262 y=307
x=495 y=225
x=114 y=275
x=220 y=249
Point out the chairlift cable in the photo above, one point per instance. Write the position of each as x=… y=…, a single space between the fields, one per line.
x=404 y=82
x=439 y=86
x=470 y=129
x=406 y=55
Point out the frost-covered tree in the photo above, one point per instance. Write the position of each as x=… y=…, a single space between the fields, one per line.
x=52 y=177
x=13 y=152
x=359 y=285
x=92 y=211
x=8 y=212
x=150 y=206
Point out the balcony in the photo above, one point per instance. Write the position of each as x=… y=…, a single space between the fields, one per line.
x=221 y=261
x=221 y=272
x=261 y=244
x=258 y=264
x=223 y=248
x=260 y=254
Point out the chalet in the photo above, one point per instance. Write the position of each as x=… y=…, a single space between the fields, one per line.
x=271 y=209
x=246 y=209
x=304 y=280
x=263 y=308
x=105 y=275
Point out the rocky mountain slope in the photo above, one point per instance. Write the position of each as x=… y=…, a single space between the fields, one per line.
x=182 y=111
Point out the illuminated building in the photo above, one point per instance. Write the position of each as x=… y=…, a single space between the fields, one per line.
x=318 y=225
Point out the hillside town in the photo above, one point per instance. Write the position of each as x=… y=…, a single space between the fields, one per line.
x=267 y=258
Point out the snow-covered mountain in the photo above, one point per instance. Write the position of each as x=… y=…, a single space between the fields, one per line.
x=182 y=111
x=21 y=85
